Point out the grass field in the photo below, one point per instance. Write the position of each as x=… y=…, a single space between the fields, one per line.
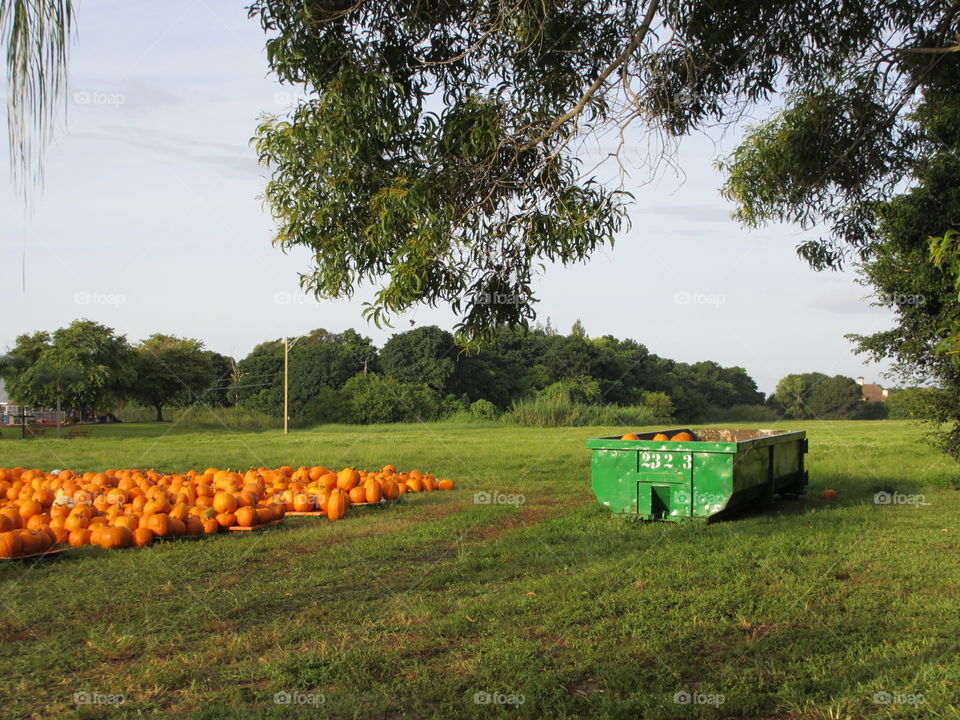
x=546 y=609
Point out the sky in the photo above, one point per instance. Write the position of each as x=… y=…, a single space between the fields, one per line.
x=150 y=221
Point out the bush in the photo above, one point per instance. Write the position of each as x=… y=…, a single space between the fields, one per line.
x=484 y=410
x=914 y=403
x=871 y=411
x=562 y=412
x=372 y=398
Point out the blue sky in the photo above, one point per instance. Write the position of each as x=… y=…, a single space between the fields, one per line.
x=150 y=221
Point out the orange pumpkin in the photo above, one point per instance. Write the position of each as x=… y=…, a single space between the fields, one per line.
x=682 y=437
x=226 y=520
x=160 y=524
x=10 y=544
x=79 y=537
x=336 y=505
x=264 y=515
x=115 y=538
x=210 y=525
x=177 y=528
x=660 y=437
x=347 y=479
x=356 y=495
x=37 y=521
x=194 y=526
x=225 y=502
x=246 y=517
x=303 y=502
x=445 y=484
x=143 y=537
x=29 y=508
x=630 y=436
x=373 y=491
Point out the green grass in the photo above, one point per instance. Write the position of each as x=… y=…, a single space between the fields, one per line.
x=803 y=611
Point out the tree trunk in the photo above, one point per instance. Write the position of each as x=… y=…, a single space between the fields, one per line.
x=159 y=413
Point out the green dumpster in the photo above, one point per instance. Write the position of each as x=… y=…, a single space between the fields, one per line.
x=718 y=471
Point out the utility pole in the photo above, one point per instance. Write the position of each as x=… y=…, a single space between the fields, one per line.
x=58 y=407
x=286 y=395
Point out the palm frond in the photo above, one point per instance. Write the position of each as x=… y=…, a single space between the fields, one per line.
x=37 y=37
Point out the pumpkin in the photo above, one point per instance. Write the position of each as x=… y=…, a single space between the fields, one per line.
x=660 y=437
x=445 y=484
x=143 y=537
x=180 y=511
x=629 y=436
x=246 y=517
x=682 y=437
x=194 y=526
x=428 y=484
x=226 y=520
x=336 y=505
x=210 y=525
x=373 y=491
x=34 y=541
x=402 y=488
x=347 y=479
x=263 y=515
x=6 y=524
x=10 y=544
x=79 y=537
x=302 y=502
x=177 y=528
x=37 y=521
x=414 y=483
x=225 y=502
x=159 y=523
x=115 y=538
x=12 y=513
x=356 y=495
x=828 y=495
x=130 y=522
x=29 y=508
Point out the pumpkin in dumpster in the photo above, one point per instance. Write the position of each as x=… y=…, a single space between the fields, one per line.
x=629 y=436
x=660 y=437
x=682 y=437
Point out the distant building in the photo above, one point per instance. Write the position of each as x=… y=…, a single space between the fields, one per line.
x=871 y=392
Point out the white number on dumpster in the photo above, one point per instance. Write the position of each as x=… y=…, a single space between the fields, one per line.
x=671 y=461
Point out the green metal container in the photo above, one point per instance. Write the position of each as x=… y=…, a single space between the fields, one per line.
x=719 y=471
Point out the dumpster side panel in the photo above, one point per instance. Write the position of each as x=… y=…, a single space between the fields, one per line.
x=614 y=479
x=664 y=490
x=788 y=466
x=752 y=479
x=712 y=483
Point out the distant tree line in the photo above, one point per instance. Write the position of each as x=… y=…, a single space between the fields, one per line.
x=420 y=374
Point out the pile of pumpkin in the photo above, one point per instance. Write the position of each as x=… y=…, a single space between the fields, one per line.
x=683 y=436
x=124 y=508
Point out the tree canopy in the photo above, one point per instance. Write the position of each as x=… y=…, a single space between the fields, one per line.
x=438 y=153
